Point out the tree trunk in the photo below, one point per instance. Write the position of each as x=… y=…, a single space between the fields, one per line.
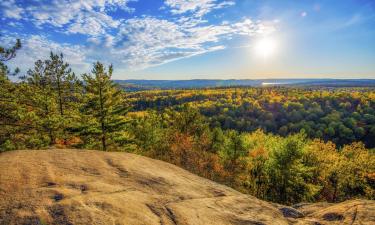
x=104 y=144
x=102 y=118
x=60 y=96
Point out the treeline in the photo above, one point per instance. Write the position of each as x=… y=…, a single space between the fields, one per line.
x=51 y=106
x=287 y=169
x=342 y=116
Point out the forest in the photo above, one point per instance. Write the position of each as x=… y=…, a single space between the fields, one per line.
x=340 y=115
x=285 y=145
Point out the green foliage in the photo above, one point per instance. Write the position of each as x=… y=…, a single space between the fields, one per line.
x=8 y=100
x=354 y=172
x=150 y=134
x=217 y=140
x=188 y=120
x=45 y=116
x=7 y=54
x=103 y=109
x=341 y=173
x=341 y=115
x=286 y=169
x=288 y=176
x=54 y=93
x=234 y=148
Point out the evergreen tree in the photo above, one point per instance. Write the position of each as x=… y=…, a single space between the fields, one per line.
x=234 y=148
x=288 y=176
x=217 y=140
x=104 y=108
x=39 y=93
x=59 y=72
x=8 y=103
x=7 y=54
x=67 y=90
x=55 y=93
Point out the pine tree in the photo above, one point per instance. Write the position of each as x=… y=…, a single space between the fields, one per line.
x=66 y=88
x=105 y=109
x=7 y=54
x=40 y=95
x=59 y=71
x=233 y=150
x=8 y=104
x=55 y=93
x=217 y=140
x=288 y=176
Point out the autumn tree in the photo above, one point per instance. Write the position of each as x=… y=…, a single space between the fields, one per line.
x=355 y=172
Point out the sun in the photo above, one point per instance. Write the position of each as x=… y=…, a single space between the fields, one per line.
x=265 y=47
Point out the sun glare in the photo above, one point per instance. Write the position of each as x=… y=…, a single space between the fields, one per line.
x=265 y=47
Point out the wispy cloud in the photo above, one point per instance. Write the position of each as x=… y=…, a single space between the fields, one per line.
x=197 y=7
x=137 y=42
x=10 y=9
x=39 y=47
x=86 y=17
x=145 y=42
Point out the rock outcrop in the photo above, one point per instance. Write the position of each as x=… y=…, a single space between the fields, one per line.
x=93 y=187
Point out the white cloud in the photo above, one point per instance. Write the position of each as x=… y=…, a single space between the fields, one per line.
x=92 y=23
x=86 y=17
x=39 y=47
x=198 y=7
x=134 y=43
x=11 y=10
x=145 y=42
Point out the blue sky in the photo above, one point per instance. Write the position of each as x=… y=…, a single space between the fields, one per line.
x=198 y=39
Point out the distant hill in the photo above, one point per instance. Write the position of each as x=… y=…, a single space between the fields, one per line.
x=134 y=85
x=92 y=187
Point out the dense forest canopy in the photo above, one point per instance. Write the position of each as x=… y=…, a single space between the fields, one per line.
x=284 y=145
x=341 y=115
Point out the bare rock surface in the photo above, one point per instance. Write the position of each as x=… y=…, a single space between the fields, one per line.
x=93 y=187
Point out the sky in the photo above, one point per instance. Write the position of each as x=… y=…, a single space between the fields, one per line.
x=197 y=39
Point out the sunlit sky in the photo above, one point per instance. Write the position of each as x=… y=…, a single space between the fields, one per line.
x=198 y=39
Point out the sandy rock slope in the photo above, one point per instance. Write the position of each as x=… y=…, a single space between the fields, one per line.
x=93 y=187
